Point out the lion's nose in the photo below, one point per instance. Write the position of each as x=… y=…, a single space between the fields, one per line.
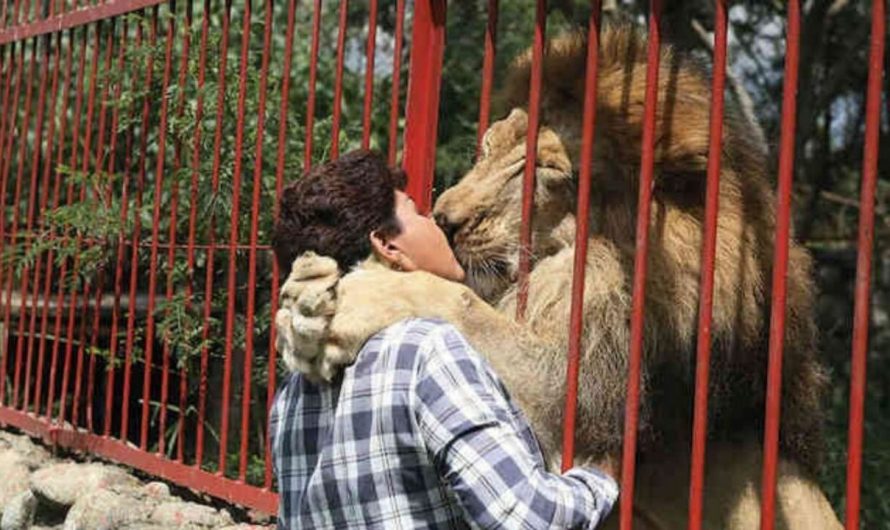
x=447 y=226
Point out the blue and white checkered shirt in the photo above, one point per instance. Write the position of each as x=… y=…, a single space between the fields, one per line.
x=420 y=433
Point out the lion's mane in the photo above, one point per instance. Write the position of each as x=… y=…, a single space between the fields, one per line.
x=746 y=226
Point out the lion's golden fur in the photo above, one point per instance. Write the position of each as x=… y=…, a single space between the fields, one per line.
x=485 y=207
x=484 y=211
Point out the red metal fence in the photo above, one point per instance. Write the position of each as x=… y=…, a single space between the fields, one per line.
x=98 y=333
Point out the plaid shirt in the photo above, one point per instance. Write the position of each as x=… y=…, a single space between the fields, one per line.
x=420 y=433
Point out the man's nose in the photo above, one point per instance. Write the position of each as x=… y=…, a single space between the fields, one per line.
x=447 y=226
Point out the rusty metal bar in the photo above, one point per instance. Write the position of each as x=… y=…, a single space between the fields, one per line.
x=313 y=76
x=171 y=255
x=708 y=252
x=137 y=228
x=119 y=259
x=193 y=220
x=85 y=165
x=279 y=182
x=864 y=262
x=254 y=233
x=171 y=236
x=23 y=148
x=153 y=259
x=74 y=19
x=60 y=155
x=582 y=229
x=47 y=167
x=491 y=40
x=647 y=159
x=780 y=270
x=34 y=209
x=208 y=283
x=75 y=135
x=531 y=157
x=422 y=112
x=120 y=451
x=233 y=239
x=7 y=75
x=393 y=145
x=338 y=81
x=369 y=74
x=97 y=195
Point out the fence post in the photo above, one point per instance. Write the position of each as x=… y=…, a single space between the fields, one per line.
x=422 y=112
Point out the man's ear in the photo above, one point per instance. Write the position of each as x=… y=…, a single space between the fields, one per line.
x=385 y=249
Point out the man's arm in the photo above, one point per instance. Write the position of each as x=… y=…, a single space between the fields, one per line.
x=472 y=435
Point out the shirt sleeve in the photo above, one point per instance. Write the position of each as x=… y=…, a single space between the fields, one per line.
x=468 y=427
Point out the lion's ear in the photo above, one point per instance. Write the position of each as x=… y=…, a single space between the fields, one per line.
x=504 y=133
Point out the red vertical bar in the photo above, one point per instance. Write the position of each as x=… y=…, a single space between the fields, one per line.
x=137 y=228
x=15 y=12
x=75 y=141
x=279 y=179
x=491 y=38
x=193 y=219
x=156 y=216
x=60 y=155
x=632 y=410
x=254 y=231
x=233 y=239
x=211 y=245
x=171 y=244
x=863 y=262
x=369 y=74
x=85 y=165
x=6 y=132
x=338 y=81
x=531 y=157
x=22 y=149
x=171 y=253
x=709 y=248
x=780 y=269
x=396 y=82
x=422 y=112
x=33 y=208
x=47 y=166
x=576 y=317
x=313 y=75
x=121 y=242
x=98 y=196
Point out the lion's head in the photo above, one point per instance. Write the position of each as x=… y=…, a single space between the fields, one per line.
x=482 y=214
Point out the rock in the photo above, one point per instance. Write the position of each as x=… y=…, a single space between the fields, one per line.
x=13 y=477
x=19 y=512
x=156 y=490
x=64 y=484
x=31 y=454
x=104 y=509
x=189 y=514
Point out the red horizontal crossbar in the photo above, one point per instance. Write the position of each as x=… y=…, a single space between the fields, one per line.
x=233 y=491
x=74 y=19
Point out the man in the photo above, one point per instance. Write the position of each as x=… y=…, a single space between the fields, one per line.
x=419 y=432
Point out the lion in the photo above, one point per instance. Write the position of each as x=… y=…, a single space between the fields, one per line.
x=482 y=215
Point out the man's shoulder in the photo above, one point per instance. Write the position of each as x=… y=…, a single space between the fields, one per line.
x=414 y=339
x=414 y=330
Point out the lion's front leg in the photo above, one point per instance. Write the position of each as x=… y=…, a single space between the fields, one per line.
x=324 y=319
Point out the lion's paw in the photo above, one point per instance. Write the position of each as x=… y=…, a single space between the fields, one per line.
x=307 y=304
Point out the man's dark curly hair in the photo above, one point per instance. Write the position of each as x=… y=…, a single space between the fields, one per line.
x=332 y=209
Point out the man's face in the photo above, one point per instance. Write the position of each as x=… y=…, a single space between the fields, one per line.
x=423 y=243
